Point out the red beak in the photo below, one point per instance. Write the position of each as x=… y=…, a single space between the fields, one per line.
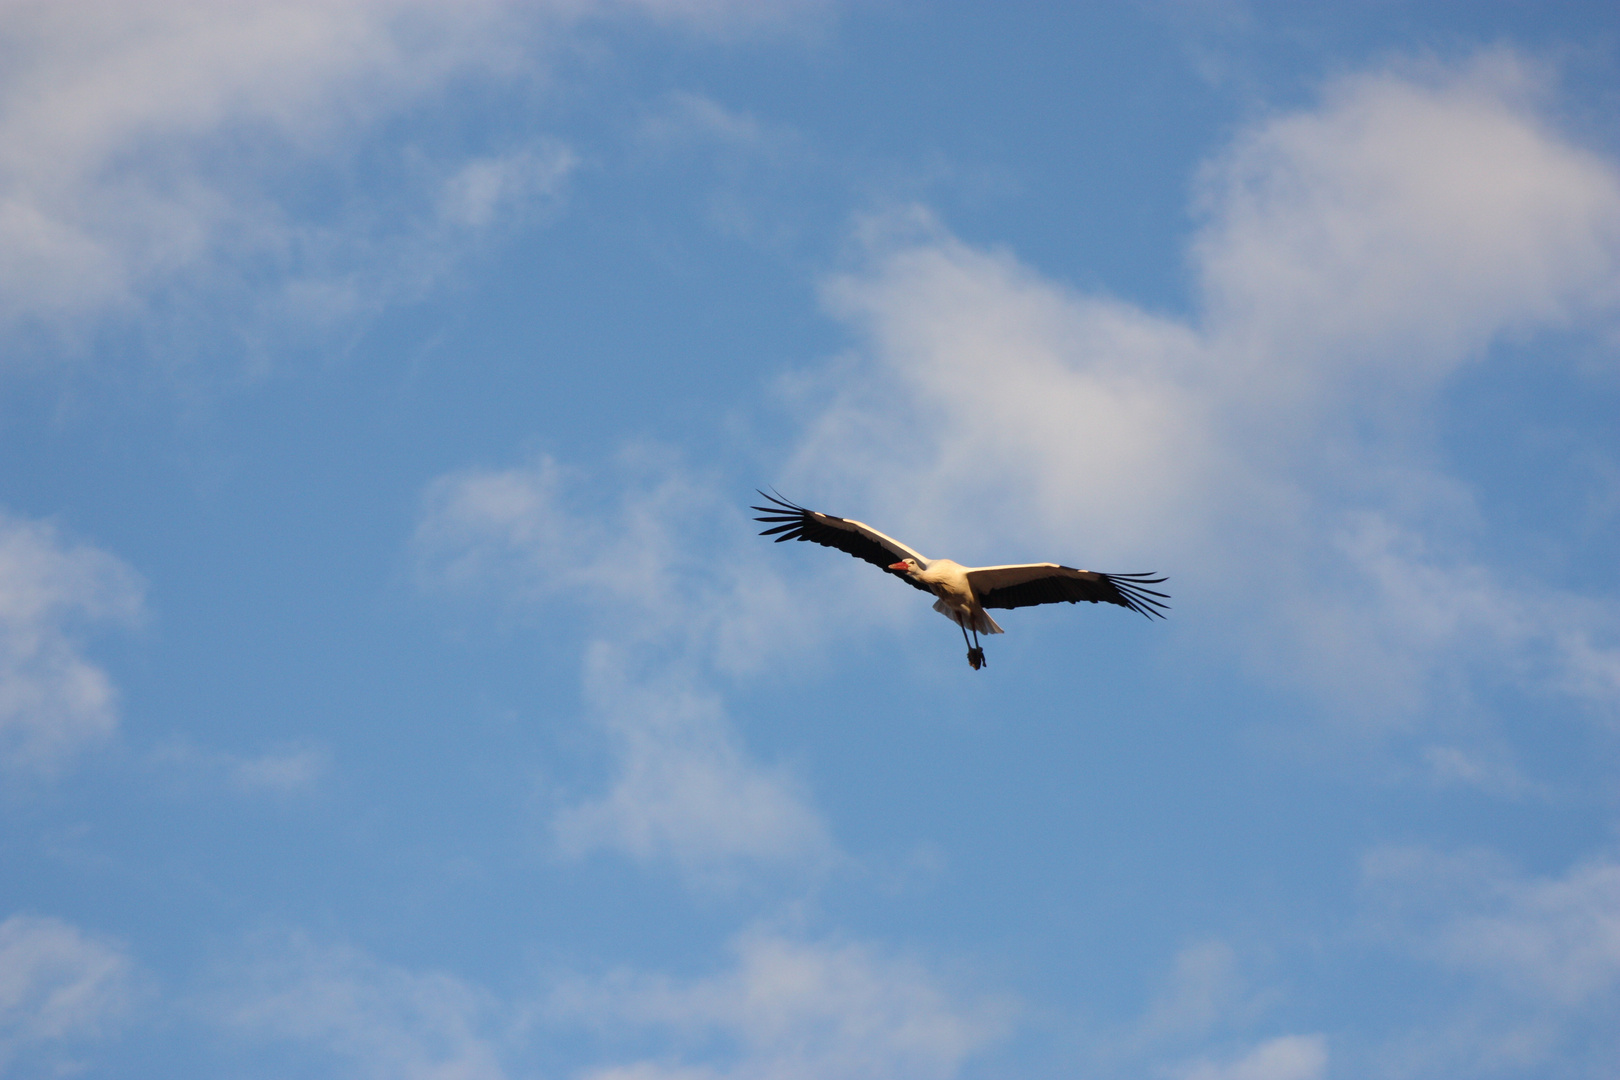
x=899 y=566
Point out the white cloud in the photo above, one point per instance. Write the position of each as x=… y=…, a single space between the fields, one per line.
x=278 y=772
x=1206 y=1005
x=519 y=532
x=146 y=144
x=685 y=790
x=485 y=188
x=723 y=16
x=1204 y=989
x=688 y=117
x=1540 y=955
x=53 y=702
x=383 y=1020
x=993 y=389
x=1276 y=454
x=780 y=1007
x=57 y=987
x=1490 y=772
x=1554 y=940
x=672 y=598
x=285 y=771
x=1400 y=227
x=1288 y=1057
x=668 y=560
x=790 y=1009
x=108 y=182
x=1429 y=624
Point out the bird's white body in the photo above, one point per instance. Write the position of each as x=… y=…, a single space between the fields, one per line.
x=948 y=580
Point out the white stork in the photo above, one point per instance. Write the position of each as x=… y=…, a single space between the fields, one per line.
x=963 y=591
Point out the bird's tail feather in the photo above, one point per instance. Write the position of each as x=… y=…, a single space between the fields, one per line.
x=981 y=622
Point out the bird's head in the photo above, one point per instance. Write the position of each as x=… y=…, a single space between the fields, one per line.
x=906 y=566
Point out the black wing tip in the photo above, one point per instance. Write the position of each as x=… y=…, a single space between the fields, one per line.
x=782 y=503
x=794 y=512
x=1139 y=599
x=788 y=517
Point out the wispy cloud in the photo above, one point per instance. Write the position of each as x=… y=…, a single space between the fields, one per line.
x=489 y=187
x=789 y=1008
x=379 y=1019
x=1287 y=1057
x=685 y=789
x=1205 y=989
x=58 y=988
x=687 y=118
x=54 y=702
x=1275 y=452
x=284 y=771
x=1540 y=955
x=1488 y=770
x=1201 y=1024
x=670 y=600
x=779 y=1006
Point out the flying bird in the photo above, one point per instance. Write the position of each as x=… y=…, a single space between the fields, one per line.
x=963 y=592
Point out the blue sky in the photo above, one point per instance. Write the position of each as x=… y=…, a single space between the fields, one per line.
x=391 y=681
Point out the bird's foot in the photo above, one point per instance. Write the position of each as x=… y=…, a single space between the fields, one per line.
x=976 y=658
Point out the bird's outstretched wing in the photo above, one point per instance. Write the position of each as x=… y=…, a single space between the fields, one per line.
x=861 y=541
x=1049 y=583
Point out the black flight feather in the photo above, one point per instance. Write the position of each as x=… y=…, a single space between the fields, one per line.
x=803 y=524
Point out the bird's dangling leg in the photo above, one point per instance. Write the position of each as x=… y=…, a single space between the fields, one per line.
x=975 y=655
